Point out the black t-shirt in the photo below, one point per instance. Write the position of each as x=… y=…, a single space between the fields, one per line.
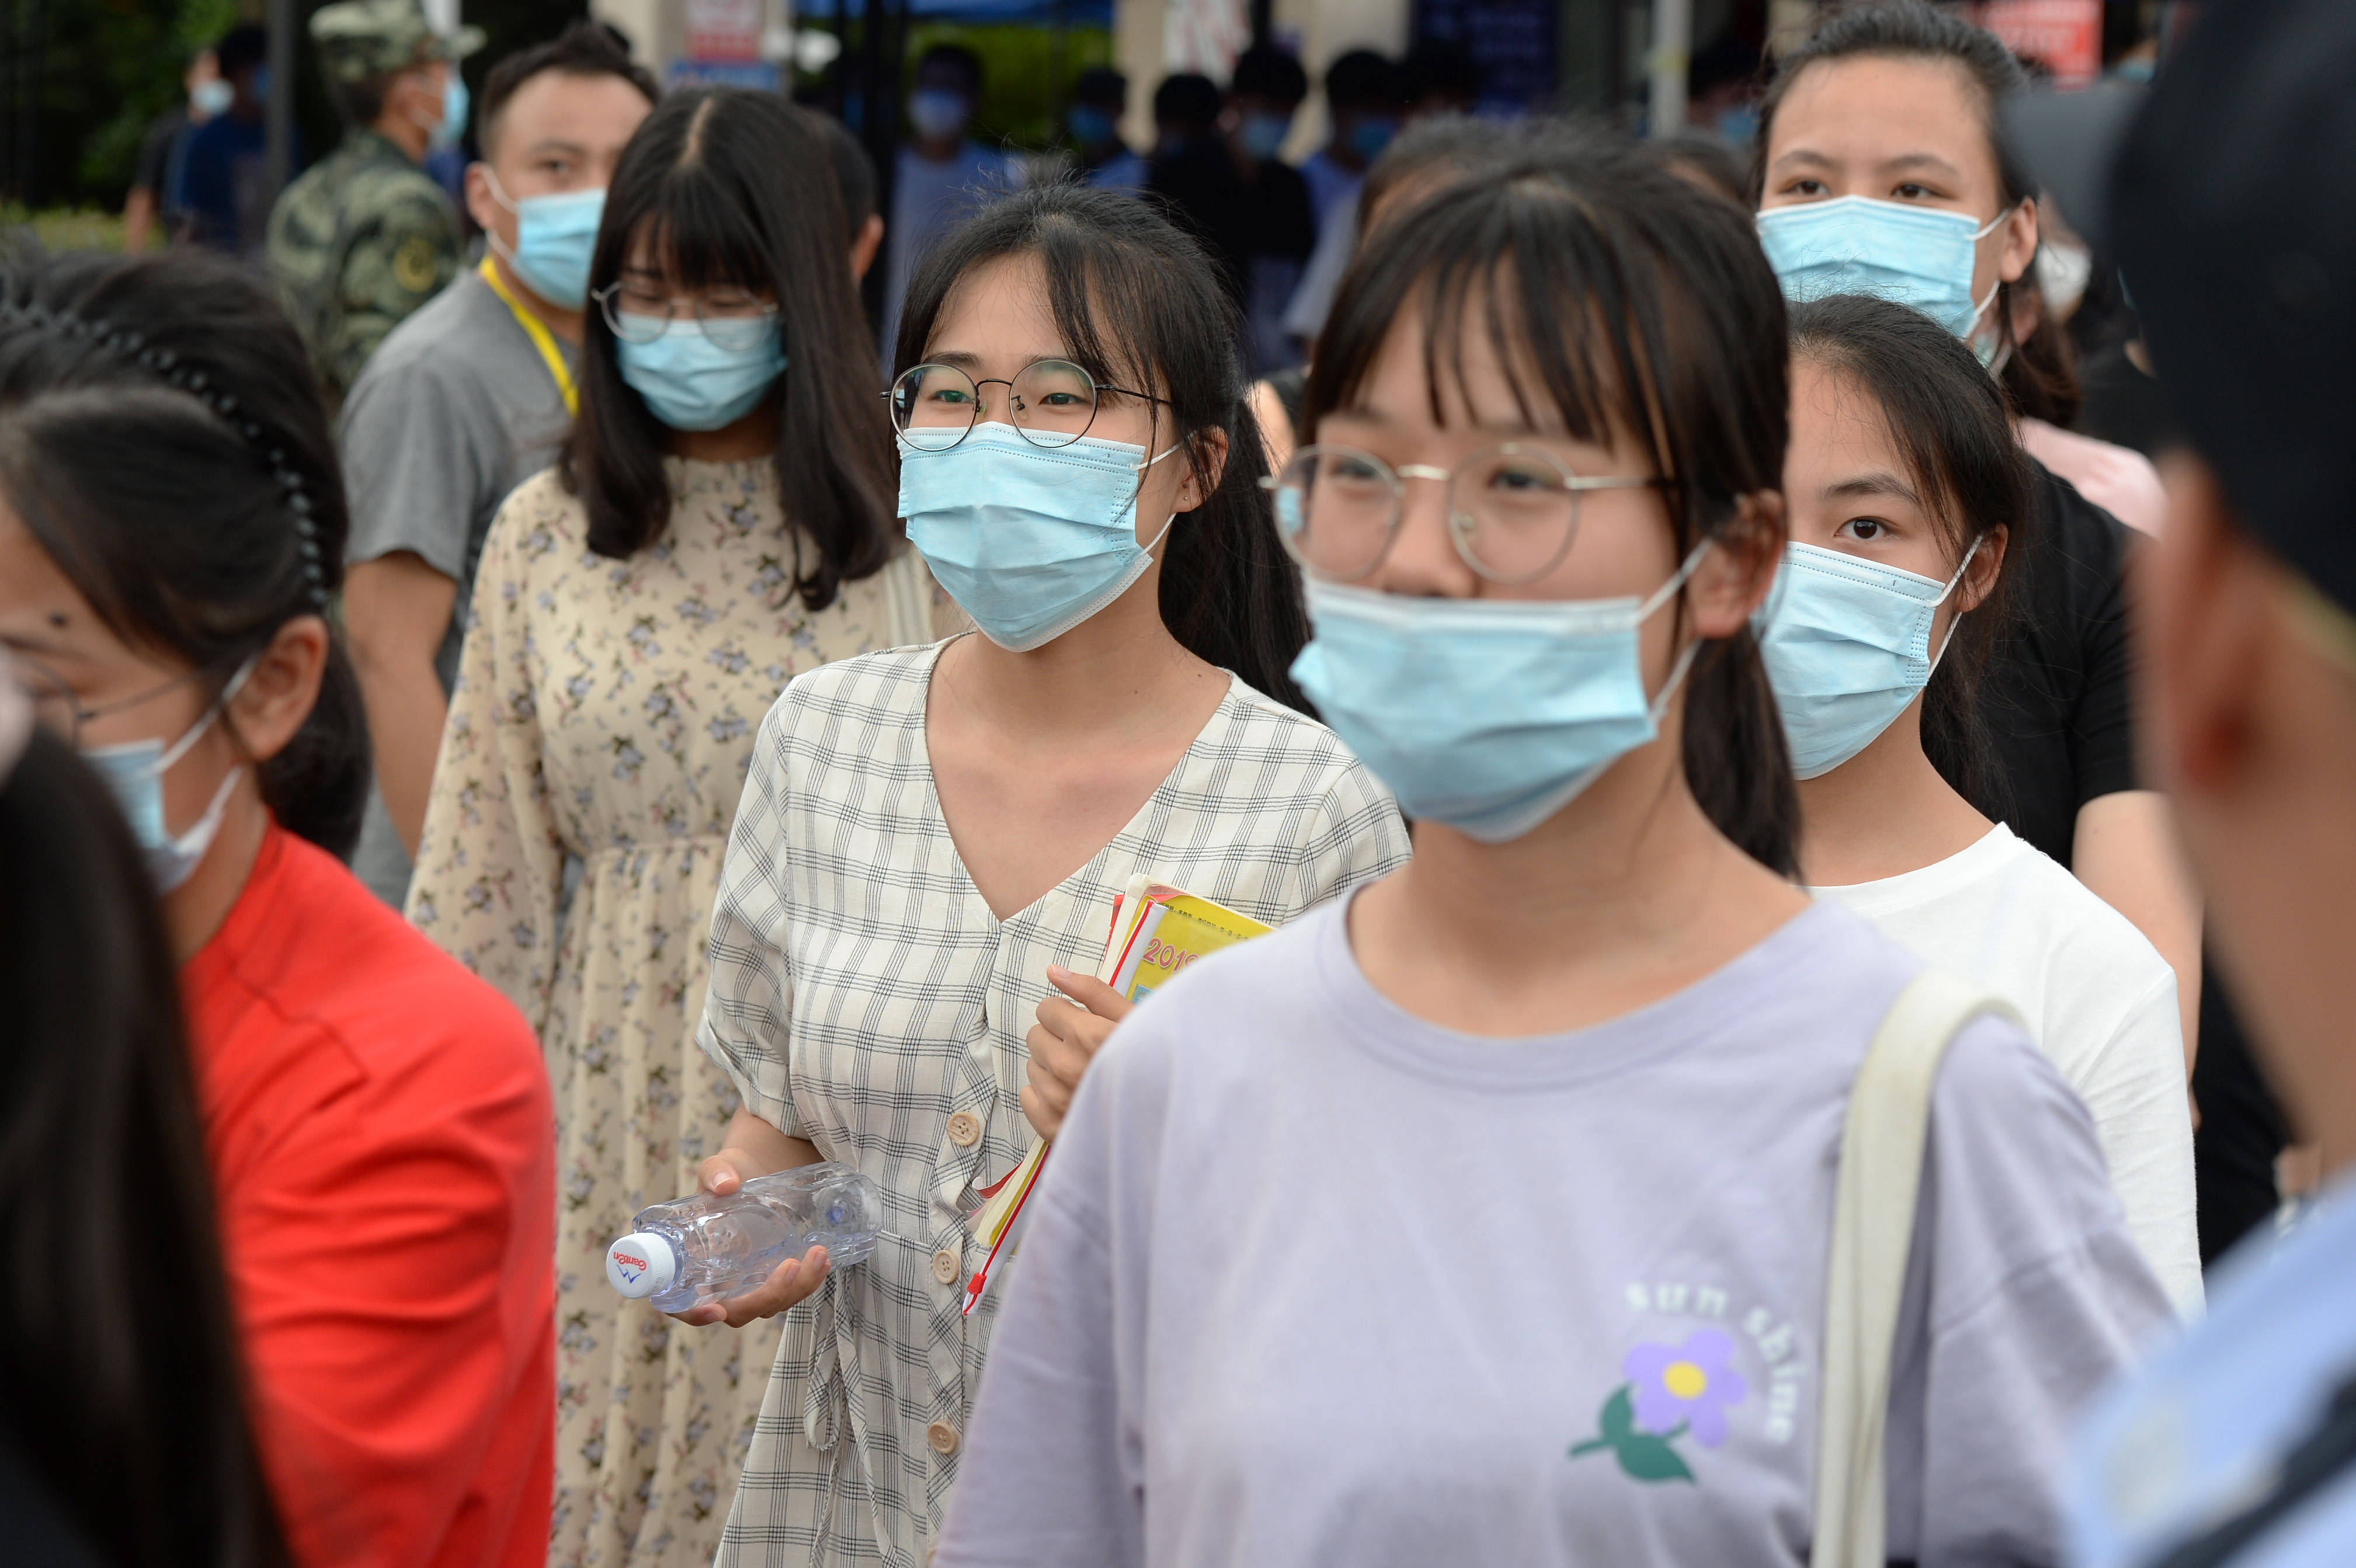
x=2054 y=697
x=2124 y=406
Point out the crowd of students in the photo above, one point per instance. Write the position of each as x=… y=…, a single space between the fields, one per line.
x=1642 y=664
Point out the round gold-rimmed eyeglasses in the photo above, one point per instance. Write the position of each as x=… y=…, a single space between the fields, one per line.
x=1513 y=510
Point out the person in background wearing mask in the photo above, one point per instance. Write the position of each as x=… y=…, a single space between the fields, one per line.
x=155 y=180
x=360 y=242
x=2235 y=1446
x=718 y=522
x=1250 y=209
x=376 y=1119
x=1880 y=173
x=1099 y=98
x=469 y=398
x=1905 y=490
x=942 y=174
x=1365 y=98
x=219 y=174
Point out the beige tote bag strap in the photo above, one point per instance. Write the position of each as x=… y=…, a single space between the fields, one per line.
x=1873 y=1230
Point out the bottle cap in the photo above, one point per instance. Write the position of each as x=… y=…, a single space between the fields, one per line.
x=641 y=1264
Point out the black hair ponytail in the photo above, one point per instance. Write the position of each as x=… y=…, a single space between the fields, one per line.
x=1134 y=297
x=230 y=522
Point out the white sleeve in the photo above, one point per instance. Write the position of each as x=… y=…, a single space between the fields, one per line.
x=2135 y=1088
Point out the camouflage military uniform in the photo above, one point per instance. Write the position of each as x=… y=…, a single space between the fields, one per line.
x=365 y=238
x=356 y=244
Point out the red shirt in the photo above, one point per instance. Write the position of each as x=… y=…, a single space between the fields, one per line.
x=383 y=1153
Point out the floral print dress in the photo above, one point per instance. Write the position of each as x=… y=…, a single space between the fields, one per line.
x=598 y=738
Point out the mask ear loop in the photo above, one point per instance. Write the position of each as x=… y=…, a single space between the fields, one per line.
x=1171 y=520
x=1996 y=362
x=180 y=748
x=1957 y=619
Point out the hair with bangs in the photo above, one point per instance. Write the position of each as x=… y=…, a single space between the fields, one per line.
x=730 y=187
x=2040 y=373
x=1947 y=420
x=1138 y=304
x=1623 y=304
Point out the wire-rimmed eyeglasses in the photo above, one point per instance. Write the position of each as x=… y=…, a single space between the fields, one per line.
x=1050 y=402
x=55 y=708
x=1513 y=510
x=733 y=320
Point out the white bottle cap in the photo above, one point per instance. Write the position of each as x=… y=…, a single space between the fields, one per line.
x=641 y=1264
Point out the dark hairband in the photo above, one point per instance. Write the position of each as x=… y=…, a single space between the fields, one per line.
x=168 y=366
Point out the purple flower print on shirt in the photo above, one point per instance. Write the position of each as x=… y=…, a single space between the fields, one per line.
x=1690 y=1385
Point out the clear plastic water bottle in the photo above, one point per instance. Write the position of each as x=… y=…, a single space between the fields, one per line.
x=706 y=1248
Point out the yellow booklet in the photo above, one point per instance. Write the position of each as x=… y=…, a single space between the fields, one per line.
x=1156 y=931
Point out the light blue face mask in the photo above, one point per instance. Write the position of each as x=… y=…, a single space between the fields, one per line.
x=134 y=773
x=1490 y=715
x=1848 y=646
x=937 y=113
x=1918 y=256
x=214 y=97
x=1029 y=540
x=692 y=383
x=1263 y=134
x=454 y=112
x=554 y=237
x=1371 y=136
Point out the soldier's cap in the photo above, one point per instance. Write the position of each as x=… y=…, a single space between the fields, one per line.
x=359 y=39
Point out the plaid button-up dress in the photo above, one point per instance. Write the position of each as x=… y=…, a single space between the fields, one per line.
x=862 y=994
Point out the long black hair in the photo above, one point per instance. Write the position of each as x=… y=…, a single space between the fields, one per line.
x=1618 y=298
x=1138 y=304
x=2040 y=373
x=161 y=437
x=730 y=186
x=126 y=1395
x=1947 y=421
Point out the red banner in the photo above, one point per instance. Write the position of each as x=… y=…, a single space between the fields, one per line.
x=2064 y=36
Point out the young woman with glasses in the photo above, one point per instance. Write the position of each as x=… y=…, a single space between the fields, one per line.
x=375 y=1119
x=931 y=838
x=719 y=522
x=1483 y=1216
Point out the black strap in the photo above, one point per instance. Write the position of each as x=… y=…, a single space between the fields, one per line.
x=2326 y=1454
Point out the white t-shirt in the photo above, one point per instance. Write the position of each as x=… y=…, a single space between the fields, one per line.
x=2099 y=1000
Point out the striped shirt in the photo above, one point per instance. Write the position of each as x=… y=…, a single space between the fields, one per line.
x=864 y=997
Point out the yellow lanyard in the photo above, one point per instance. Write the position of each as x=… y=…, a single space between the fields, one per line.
x=542 y=338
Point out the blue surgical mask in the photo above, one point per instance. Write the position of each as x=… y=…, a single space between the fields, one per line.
x=1918 y=256
x=1490 y=715
x=1091 y=127
x=135 y=774
x=1029 y=540
x=692 y=383
x=454 y=110
x=1263 y=134
x=1369 y=136
x=936 y=114
x=554 y=237
x=214 y=97
x=1848 y=646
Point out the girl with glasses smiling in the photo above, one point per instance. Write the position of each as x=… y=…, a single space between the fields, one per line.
x=1483 y=1216
x=719 y=522
x=932 y=838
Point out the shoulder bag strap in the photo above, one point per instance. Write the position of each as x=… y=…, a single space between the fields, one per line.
x=1873 y=1230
